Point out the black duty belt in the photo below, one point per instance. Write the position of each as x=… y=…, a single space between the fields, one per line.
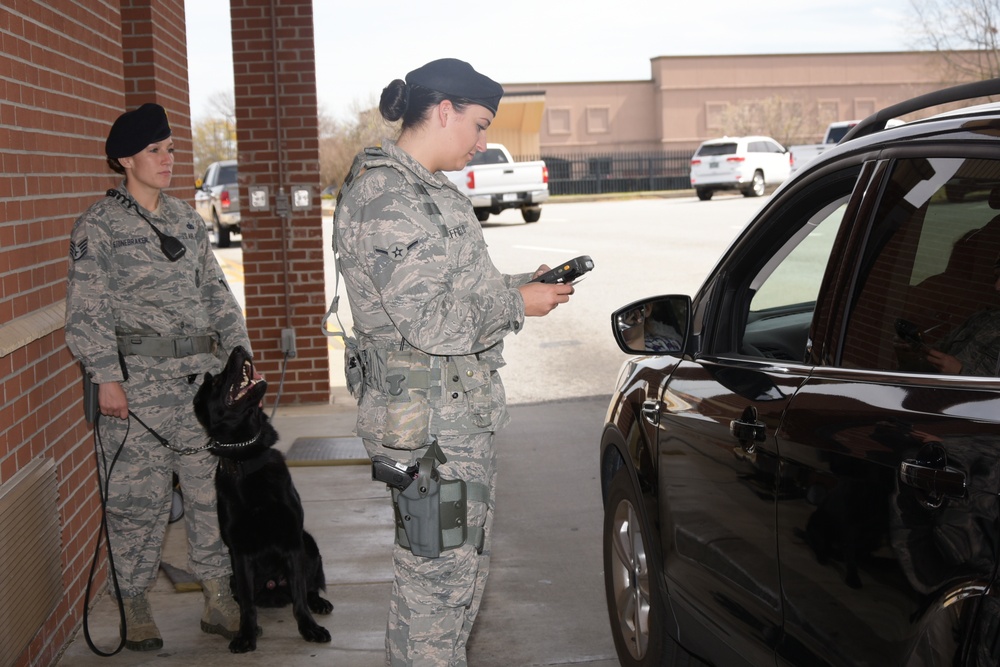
x=167 y=346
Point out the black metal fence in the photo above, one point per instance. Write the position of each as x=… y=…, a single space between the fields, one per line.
x=580 y=174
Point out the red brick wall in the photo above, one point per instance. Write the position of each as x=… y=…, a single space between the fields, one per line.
x=278 y=135
x=61 y=70
x=63 y=77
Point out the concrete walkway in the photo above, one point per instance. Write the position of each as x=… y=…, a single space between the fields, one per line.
x=544 y=603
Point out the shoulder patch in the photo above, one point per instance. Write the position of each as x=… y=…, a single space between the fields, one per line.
x=77 y=250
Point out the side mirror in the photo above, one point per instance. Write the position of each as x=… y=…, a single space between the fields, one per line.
x=658 y=325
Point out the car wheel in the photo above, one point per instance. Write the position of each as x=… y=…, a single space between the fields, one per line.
x=756 y=187
x=635 y=609
x=531 y=213
x=482 y=214
x=221 y=233
x=704 y=194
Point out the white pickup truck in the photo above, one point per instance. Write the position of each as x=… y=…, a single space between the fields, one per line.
x=494 y=182
x=801 y=155
x=805 y=152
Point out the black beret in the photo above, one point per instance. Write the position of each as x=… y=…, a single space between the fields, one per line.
x=136 y=129
x=456 y=77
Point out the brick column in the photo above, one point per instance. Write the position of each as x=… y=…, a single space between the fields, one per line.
x=278 y=135
x=154 y=49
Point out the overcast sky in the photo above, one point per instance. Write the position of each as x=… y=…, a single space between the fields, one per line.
x=362 y=45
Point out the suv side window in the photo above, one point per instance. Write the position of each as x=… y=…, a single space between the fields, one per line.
x=927 y=299
x=772 y=285
x=785 y=290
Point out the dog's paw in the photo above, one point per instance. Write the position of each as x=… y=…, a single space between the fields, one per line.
x=314 y=633
x=243 y=644
x=318 y=605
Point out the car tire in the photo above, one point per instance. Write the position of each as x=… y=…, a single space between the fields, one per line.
x=222 y=239
x=482 y=214
x=704 y=194
x=757 y=185
x=631 y=576
x=531 y=213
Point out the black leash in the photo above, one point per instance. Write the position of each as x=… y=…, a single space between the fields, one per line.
x=99 y=454
x=166 y=443
x=103 y=531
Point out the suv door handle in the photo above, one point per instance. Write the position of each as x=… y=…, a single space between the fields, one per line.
x=651 y=411
x=747 y=429
x=937 y=481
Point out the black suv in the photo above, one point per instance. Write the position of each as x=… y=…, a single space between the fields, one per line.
x=803 y=465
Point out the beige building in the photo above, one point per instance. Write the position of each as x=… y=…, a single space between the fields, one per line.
x=692 y=98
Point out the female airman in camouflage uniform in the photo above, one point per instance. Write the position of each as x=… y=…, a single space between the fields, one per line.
x=147 y=315
x=430 y=313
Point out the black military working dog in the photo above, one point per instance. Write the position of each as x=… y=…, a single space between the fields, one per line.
x=275 y=561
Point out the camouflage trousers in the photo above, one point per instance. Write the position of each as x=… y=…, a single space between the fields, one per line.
x=139 y=494
x=434 y=601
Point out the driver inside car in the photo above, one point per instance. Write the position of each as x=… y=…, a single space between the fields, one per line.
x=974 y=347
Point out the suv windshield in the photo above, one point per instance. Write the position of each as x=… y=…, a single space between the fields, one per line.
x=717 y=149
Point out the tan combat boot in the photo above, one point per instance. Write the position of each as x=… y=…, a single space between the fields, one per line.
x=141 y=633
x=222 y=614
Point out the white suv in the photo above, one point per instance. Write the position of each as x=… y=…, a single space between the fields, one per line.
x=748 y=164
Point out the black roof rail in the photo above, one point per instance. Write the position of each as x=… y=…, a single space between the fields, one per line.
x=966 y=91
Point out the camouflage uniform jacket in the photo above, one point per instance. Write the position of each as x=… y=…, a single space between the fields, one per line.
x=120 y=281
x=425 y=282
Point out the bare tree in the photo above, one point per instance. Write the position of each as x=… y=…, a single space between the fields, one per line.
x=214 y=137
x=214 y=140
x=963 y=32
x=339 y=141
x=223 y=105
x=783 y=119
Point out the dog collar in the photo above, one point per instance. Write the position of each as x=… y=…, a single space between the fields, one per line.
x=226 y=445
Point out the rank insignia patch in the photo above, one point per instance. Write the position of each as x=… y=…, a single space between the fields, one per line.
x=77 y=250
x=397 y=251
